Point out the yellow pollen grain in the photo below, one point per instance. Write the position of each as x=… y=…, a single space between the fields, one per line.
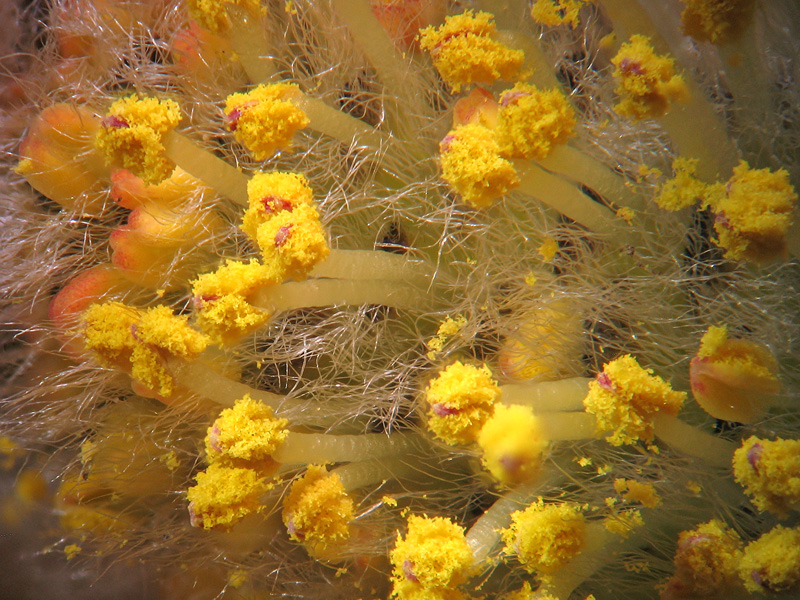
x=447 y=329
x=634 y=491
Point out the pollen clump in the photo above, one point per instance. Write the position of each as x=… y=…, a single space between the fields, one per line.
x=733 y=380
x=223 y=312
x=213 y=14
x=265 y=119
x=460 y=401
x=753 y=213
x=635 y=491
x=472 y=165
x=465 y=52
x=223 y=495
x=246 y=432
x=140 y=341
x=318 y=511
x=545 y=537
x=132 y=134
x=557 y=12
x=272 y=193
x=769 y=471
x=716 y=21
x=684 y=189
x=625 y=398
x=447 y=329
x=772 y=562
x=531 y=121
x=646 y=82
x=512 y=444
x=431 y=561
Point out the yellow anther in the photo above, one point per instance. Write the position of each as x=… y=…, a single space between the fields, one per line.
x=772 y=562
x=213 y=14
x=532 y=121
x=220 y=298
x=646 y=82
x=706 y=561
x=733 y=380
x=433 y=559
x=131 y=134
x=753 y=213
x=769 y=471
x=140 y=341
x=625 y=398
x=318 y=511
x=246 y=432
x=545 y=537
x=224 y=495
x=460 y=401
x=557 y=12
x=472 y=165
x=292 y=243
x=512 y=444
x=265 y=119
x=272 y=193
x=547 y=345
x=717 y=21
x=465 y=52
